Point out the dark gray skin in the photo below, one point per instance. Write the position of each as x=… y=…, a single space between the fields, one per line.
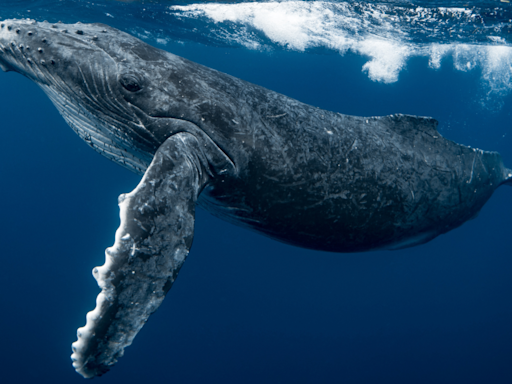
x=299 y=174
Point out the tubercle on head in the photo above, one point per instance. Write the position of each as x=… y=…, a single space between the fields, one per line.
x=39 y=34
x=17 y=26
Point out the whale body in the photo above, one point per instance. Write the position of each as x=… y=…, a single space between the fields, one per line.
x=256 y=158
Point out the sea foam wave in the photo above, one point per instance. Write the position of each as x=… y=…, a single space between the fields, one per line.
x=387 y=35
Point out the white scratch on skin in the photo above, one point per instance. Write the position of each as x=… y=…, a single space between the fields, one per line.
x=472 y=169
x=275 y=116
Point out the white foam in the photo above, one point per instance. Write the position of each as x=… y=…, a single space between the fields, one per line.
x=497 y=70
x=288 y=24
x=379 y=32
x=495 y=62
x=302 y=25
x=436 y=54
x=387 y=59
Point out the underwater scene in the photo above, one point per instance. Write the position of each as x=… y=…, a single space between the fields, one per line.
x=247 y=308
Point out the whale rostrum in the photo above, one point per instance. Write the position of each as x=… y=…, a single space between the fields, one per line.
x=299 y=174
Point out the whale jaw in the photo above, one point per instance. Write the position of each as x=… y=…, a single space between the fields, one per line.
x=61 y=59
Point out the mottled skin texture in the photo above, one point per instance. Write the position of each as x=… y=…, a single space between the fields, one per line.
x=299 y=174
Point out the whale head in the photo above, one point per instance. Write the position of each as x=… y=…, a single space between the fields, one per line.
x=96 y=76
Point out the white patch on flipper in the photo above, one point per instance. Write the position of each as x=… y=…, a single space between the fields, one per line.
x=103 y=276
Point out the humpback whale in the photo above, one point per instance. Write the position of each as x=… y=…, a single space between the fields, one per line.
x=296 y=173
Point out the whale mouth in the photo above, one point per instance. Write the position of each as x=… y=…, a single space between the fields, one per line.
x=52 y=55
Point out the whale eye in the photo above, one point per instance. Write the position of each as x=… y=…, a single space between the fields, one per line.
x=130 y=82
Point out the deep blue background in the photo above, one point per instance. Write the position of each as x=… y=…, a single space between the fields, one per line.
x=247 y=309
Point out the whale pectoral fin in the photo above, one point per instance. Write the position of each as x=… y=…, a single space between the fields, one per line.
x=152 y=242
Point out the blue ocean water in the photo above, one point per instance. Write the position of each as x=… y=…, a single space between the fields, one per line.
x=247 y=309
